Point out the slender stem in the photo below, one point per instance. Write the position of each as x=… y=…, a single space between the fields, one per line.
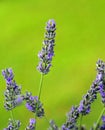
x=12 y=116
x=39 y=93
x=47 y=120
x=35 y=122
x=80 y=121
x=40 y=86
x=98 y=121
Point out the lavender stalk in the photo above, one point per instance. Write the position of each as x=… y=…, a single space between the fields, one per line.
x=13 y=97
x=101 y=85
x=47 y=52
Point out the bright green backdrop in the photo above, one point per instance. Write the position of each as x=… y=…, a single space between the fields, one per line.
x=80 y=41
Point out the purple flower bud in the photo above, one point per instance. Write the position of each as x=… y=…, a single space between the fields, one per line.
x=32 y=121
x=51 y=25
x=8 y=75
x=31 y=125
x=19 y=100
x=34 y=105
x=29 y=107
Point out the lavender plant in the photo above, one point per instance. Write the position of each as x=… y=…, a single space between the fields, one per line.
x=14 y=97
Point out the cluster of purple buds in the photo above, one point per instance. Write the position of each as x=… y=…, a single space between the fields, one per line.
x=47 y=52
x=53 y=126
x=13 y=125
x=72 y=117
x=31 y=125
x=13 y=91
x=101 y=71
x=88 y=99
x=84 y=107
x=33 y=104
x=97 y=86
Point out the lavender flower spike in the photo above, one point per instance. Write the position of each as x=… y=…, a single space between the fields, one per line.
x=101 y=71
x=31 y=125
x=13 y=91
x=13 y=125
x=97 y=85
x=47 y=52
x=72 y=119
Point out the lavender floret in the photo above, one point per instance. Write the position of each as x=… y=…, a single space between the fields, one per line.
x=8 y=75
x=13 y=92
x=31 y=125
x=33 y=104
x=47 y=52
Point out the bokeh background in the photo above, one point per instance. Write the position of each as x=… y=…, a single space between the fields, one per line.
x=80 y=42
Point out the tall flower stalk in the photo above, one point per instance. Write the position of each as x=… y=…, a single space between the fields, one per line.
x=47 y=52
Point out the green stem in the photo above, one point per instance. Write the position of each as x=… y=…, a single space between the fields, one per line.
x=40 y=86
x=47 y=120
x=35 y=122
x=80 y=121
x=98 y=121
x=12 y=116
x=39 y=93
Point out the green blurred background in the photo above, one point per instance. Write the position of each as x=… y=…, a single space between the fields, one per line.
x=80 y=41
